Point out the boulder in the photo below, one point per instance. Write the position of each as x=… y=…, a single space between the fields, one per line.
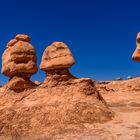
x=57 y=56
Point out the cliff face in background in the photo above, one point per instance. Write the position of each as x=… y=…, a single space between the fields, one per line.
x=61 y=104
x=123 y=86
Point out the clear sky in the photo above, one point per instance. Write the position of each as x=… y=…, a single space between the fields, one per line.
x=100 y=33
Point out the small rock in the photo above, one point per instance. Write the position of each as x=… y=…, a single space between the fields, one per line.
x=22 y=37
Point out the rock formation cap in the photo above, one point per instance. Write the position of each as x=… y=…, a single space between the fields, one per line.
x=57 y=56
x=19 y=58
x=23 y=37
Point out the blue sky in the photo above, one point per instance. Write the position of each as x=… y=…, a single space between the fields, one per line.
x=100 y=33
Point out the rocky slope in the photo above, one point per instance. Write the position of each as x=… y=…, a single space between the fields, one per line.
x=57 y=113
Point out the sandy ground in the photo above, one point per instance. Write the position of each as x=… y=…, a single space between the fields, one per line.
x=124 y=126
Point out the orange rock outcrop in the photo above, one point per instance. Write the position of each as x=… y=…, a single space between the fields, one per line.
x=136 y=54
x=19 y=63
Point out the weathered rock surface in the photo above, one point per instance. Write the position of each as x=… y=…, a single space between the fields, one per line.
x=57 y=56
x=136 y=54
x=41 y=112
x=22 y=37
x=19 y=84
x=62 y=101
x=11 y=43
x=19 y=60
x=131 y=85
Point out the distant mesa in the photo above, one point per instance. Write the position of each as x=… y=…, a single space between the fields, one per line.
x=136 y=54
x=23 y=37
x=19 y=63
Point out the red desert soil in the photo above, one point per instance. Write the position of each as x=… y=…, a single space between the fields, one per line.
x=123 y=97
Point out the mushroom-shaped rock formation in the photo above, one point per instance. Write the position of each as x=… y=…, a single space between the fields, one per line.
x=136 y=54
x=19 y=63
x=56 y=60
x=78 y=98
x=57 y=56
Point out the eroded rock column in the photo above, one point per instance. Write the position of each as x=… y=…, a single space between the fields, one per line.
x=74 y=100
x=56 y=60
x=19 y=63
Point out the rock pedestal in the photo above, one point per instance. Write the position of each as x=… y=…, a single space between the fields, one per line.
x=19 y=62
x=72 y=93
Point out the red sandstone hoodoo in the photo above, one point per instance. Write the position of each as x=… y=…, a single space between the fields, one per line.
x=19 y=63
